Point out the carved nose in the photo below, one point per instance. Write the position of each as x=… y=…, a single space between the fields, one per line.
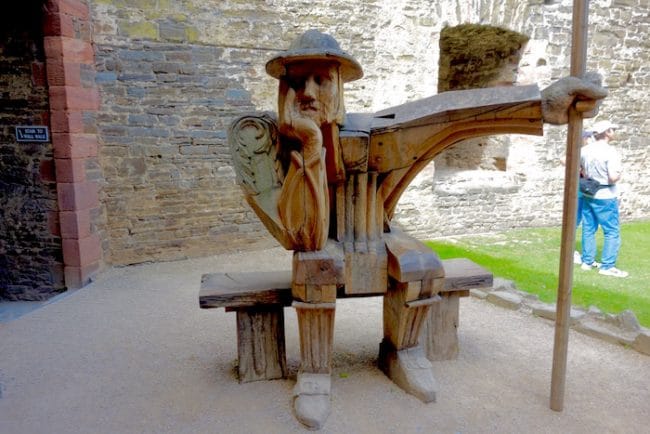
x=311 y=88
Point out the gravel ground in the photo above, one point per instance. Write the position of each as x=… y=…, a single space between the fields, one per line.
x=133 y=353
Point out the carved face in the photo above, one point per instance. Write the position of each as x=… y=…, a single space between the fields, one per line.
x=317 y=90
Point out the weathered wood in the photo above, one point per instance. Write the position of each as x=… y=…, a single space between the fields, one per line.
x=316 y=325
x=260 y=343
x=404 y=314
x=320 y=267
x=463 y=274
x=247 y=289
x=561 y=339
x=439 y=335
x=410 y=260
x=314 y=293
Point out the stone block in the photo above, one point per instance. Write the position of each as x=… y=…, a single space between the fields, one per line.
x=78 y=277
x=46 y=171
x=59 y=25
x=81 y=252
x=74 y=145
x=75 y=224
x=139 y=30
x=70 y=170
x=172 y=31
x=505 y=299
x=77 y=196
x=642 y=342
x=604 y=331
x=63 y=121
x=548 y=311
x=68 y=49
x=39 y=76
x=61 y=73
x=75 y=8
x=478 y=293
x=140 y=56
x=106 y=77
x=73 y=98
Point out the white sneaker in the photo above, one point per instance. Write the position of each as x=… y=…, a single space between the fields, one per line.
x=577 y=258
x=587 y=267
x=614 y=272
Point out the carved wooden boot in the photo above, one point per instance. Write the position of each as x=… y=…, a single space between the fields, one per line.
x=312 y=391
x=400 y=357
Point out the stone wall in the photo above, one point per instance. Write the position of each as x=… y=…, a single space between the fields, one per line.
x=529 y=192
x=31 y=265
x=173 y=74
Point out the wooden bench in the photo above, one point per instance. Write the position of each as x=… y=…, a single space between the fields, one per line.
x=260 y=297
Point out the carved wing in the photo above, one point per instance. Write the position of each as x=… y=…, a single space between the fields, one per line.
x=253 y=141
x=254 y=145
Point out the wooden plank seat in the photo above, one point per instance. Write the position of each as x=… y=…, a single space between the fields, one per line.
x=260 y=297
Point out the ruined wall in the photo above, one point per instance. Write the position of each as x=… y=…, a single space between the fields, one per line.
x=173 y=74
x=529 y=192
x=30 y=249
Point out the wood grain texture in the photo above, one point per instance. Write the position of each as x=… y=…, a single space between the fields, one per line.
x=463 y=274
x=316 y=326
x=246 y=289
x=440 y=334
x=260 y=344
x=410 y=260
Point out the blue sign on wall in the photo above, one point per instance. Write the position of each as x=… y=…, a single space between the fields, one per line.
x=32 y=133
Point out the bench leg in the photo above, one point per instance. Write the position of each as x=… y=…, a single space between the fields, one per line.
x=260 y=343
x=400 y=356
x=312 y=391
x=440 y=330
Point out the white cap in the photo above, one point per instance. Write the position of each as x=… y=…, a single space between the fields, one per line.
x=602 y=126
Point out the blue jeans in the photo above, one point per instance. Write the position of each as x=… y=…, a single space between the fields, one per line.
x=603 y=212
x=579 y=210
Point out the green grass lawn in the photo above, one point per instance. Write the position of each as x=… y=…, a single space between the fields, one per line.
x=531 y=258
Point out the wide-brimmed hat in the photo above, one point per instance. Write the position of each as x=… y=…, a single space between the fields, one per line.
x=602 y=126
x=314 y=45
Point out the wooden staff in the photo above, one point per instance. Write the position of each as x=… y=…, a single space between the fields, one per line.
x=574 y=142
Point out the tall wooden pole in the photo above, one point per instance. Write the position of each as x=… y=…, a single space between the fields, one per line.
x=574 y=142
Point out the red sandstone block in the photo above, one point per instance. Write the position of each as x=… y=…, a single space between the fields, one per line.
x=73 y=98
x=59 y=25
x=63 y=73
x=74 y=145
x=80 y=252
x=69 y=49
x=38 y=74
x=76 y=196
x=75 y=224
x=46 y=170
x=77 y=277
x=53 y=223
x=75 y=8
x=45 y=118
x=66 y=122
x=70 y=169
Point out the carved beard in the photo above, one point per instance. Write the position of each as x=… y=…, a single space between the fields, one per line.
x=325 y=107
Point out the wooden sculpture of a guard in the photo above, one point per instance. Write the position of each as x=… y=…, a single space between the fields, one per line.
x=325 y=184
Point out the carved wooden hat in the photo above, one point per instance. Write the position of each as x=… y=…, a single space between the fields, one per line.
x=314 y=45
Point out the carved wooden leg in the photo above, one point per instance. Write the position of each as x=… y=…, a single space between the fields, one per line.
x=440 y=334
x=312 y=391
x=260 y=343
x=400 y=357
